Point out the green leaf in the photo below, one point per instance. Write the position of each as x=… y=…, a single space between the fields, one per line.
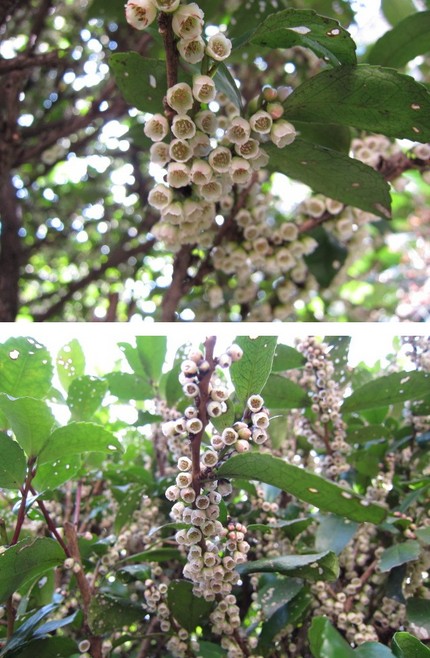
x=70 y=363
x=302 y=27
x=128 y=386
x=326 y=642
x=141 y=80
x=389 y=389
x=189 y=610
x=76 y=438
x=129 y=504
x=406 y=40
x=276 y=592
x=307 y=486
x=287 y=358
x=399 y=554
x=211 y=650
x=332 y=136
x=396 y=10
x=281 y=393
x=156 y=555
x=291 y=613
x=405 y=645
x=107 y=613
x=326 y=260
x=366 y=97
x=333 y=174
x=333 y=533
x=26 y=561
x=372 y=650
x=225 y=420
x=12 y=463
x=365 y=433
x=50 y=476
x=423 y=534
x=250 y=374
x=25 y=631
x=31 y=421
x=152 y=353
x=225 y=83
x=49 y=647
x=85 y=396
x=317 y=566
x=25 y=368
x=418 y=612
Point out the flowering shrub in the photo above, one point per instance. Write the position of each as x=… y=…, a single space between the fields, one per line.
x=259 y=500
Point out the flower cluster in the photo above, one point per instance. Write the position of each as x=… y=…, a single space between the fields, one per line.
x=213 y=549
x=206 y=157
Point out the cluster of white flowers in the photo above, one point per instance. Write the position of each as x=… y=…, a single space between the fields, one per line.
x=206 y=156
x=213 y=550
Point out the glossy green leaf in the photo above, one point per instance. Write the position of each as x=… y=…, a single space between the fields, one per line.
x=287 y=358
x=85 y=396
x=389 y=389
x=281 y=393
x=276 y=592
x=129 y=504
x=290 y=528
x=326 y=260
x=291 y=613
x=76 y=438
x=128 y=386
x=26 y=561
x=307 y=486
x=25 y=631
x=50 y=476
x=31 y=421
x=156 y=555
x=107 y=613
x=225 y=83
x=211 y=650
x=25 y=368
x=332 y=173
x=404 y=42
x=326 y=642
x=418 y=612
x=334 y=533
x=372 y=650
x=250 y=374
x=316 y=566
x=152 y=354
x=405 y=645
x=12 y=463
x=189 y=610
x=365 y=433
x=423 y=534
x=49 y=647
x=70 y=363
x=332 y=136
x=303 y=27
x=398 y=554
x=396 y=10
x=367 y=97
x=141 y=80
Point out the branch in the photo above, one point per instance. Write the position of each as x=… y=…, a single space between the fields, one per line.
x=172 y=57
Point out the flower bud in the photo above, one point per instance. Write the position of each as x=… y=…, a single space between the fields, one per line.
x=159 y=153
x=204 y=89
x=178 y=174
x=160 y=196
x=187 y=22
x=156 y=128
x=239 y=131
x=240 y=171
x=282 y=133
x=220 y=159
x=140 y=13
x=201 y=172
x=248 y=149
x=219 y=47
x=180 y=97
x=261 y=122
